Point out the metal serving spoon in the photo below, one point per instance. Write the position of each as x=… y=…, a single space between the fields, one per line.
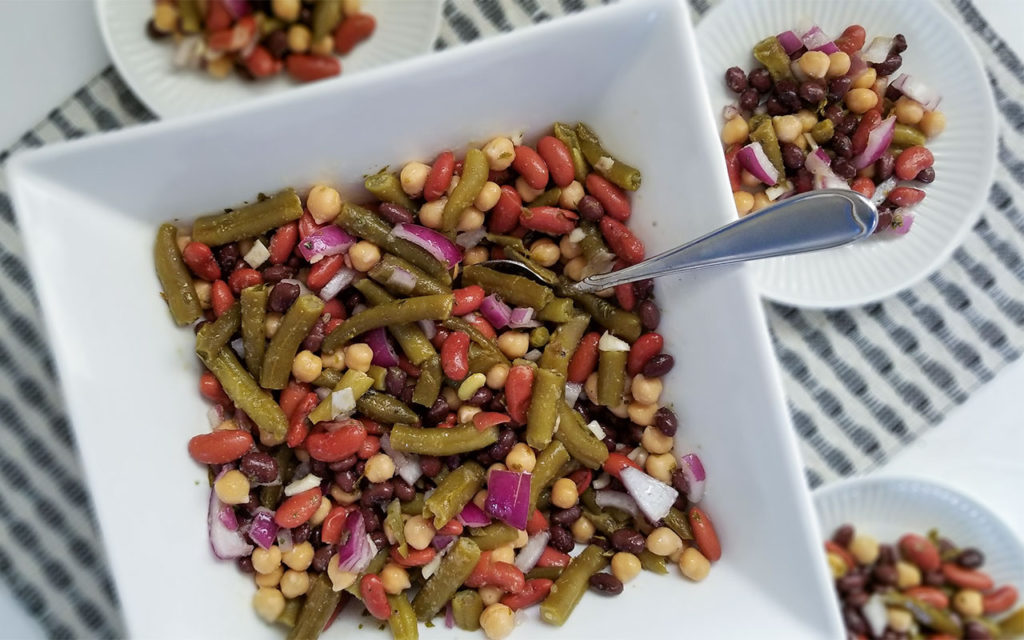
x=808 y=222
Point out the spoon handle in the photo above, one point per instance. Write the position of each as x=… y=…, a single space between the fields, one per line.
x=816 y=220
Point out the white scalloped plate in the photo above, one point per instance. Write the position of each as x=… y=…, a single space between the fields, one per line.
x=887 y=507
x=965 y=153
x=405 y=28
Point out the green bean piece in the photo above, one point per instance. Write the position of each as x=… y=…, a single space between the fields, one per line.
x=176 y=281
x=481 y=360
x=247 y=395
x=415 y=506
x=326 y=16
x=589 y=500
x=475 y=170
x=466 y=609
x=568 y=137
x=823 y=131
x=290 y=615
x=369 y=226
x=624 y=324
x=571 y=585
x=403 y=623
x=905 y=135
x=248 y=221
x=563 y=344
x=453 y=493
x=558 y=311
x=593 y=245
x=214 y=336
x=477 y=338
x=765 y=134
x=442 y=442
x=397 y=525
x=1013 y=624
x=924 y=613
x=385 y=408
x=455 y=567
x=515 y=290
x=428 y=386
x=494 y=535
x=676 y=520
x=540 y=337
x=578 y=439
x=545 y=471
x=328 y=378
x=604 y=521
x=436 y=307
x=357 y=381
x=254 y=314
x=611 y=377
x=523 y=256
x=619 y=173
x=321 y=601
x=190 y=16
x=771 y=54
x=270 y=495
x=387 y=188
x=652 y=562
x=378 y=374
x=757 y=120
x=548 y=392
x=383 y=272
x=548 y=573
x=410 y=337
x=547 y=199
x=295 y=326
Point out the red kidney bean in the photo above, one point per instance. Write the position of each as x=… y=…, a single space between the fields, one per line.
x=863 y=186
x=263 y=65
x=209 y=388
x=455 y=355
x=552 y=220
x=292 y=396
x=646 y=347
x=616 y=462
x=551 y=557
x=336 y=445
x=625 y=296
x=704 y=534
x=353 y=30
x=843 y=535
x=966 y=578
x=298 y=428
x=228 y=256
x=333 y=525
x=467 y=299
x=243 y=278
x=606 y=583
x=920 y=551
x=613 y=199
x=307 y=225
x=505 y=214
x=259 y=467
x=536 y=523
x=374 y=597
x=369 y=448
x=394 y=213
x=905 y=196
x=665 y=421
x=440 y=176
x=321 y=272
x=584 y=360
x=852 y=39
x=305 y=68
x=842 y=552
x=220 y=447
x=868 y=121
x=415 y=557
x=531 y=167
x=732 y=165
x=533 y=592
x=496 y=574
x=199 y=258
x=558 y=159
x=217 y=17
x=298 y=508
x=929 y=595
x=970 y=558
x=221 y=297
x=276 y=43
x=621 y=240
x=999 y=600
x=913 y=161
x=518 y=390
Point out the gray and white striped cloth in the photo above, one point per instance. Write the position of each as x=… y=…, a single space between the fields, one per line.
x=861 y=382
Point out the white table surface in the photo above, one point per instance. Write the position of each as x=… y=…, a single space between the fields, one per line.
x=976 y=449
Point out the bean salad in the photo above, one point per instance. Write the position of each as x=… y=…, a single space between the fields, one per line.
x=397 y=425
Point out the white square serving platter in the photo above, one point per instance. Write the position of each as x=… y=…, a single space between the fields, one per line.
x=89 y=211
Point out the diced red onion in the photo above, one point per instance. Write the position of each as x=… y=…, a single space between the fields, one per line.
x=428 y=327
x=693 y=470
x=532 y=551
x=326 y=241
x=572 y=393
x=608 y=342
x=226 y=542
x=495 y=311
x=434 y=243
x=753 y=159
x=469 y=239
x=285 y=542
x=383 y=351
x=818 y=161
x=407 y=465
x=794 y=67
x=883 y=189
x=789 y=41
x=215 y=415
x=879 y=140
x=601 y=262
x=780 y=190
x=878 y=50
x=449 y=616
x=441 y=542
x=472 y=516
x=533 y=355
x=355 y=555
x=237 y=8
x=915 y=89
x=302 y=483
x=857 y=65
x=322 y=392
x=263 y=529
x=228 y=518
x=817 y=40
x=729 y=112
x=402 y=280
x=830 y=181
x=876 y=615
x=522 y=318
x=508 y=497
x=902 y=220
x=653 y=496
x=617 y=500
x=337 y=283
x=189 y=52
x=824 y=178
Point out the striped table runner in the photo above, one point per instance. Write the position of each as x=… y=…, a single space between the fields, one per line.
x=861 y=382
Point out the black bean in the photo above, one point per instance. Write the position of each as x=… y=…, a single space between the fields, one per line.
x=344 y=464
x=276 y=273
x=934 y=578
x=851 y=582
x=735 y=79
x=245 y=565
x=606 y=583
x=842 y=145
x=321 y=557
x=760 y=79
x=430 y=465
x=855 y=622
x=974 y=630
x=485 y=459
x=889 y=67
x=785 y=86
x=857 y=598
x=315 y=338
x=377 y=493
x=403 y=490
x=360 y=467
x=437 y=412
x=500 y=449
x=453 y=462
x=482 y=396
x=370 y=519
x=885 y=574
x=497 y=402
x=790 y=100
x=589 y=208
x=945 y=546
x=380 y=539
x=259 y=467
x=812 y=93
x=749 y=99
x=835 y=113
x=565 y=517
x=628 y=540
x=848 y=125
x=884 y=167
x=600 y=541
x=276 y=43
x=838 y=88
x=843 y=168
x=282 y=296
x=774 y=107
x=153 y=32
x=346 y=480
x=679 y=481
x=892 y=93
x=227 y=257
x=796 y=54
x=970 y=558
x=609 y=443
x=844 y=535
x=649 y=314
x=351 y=298
x=301 y=533
x=659 y=365
x=666 y=421
x=407 y=391
x=792 y=156
x=926 y=175
x=644 y=288
x=394 y=213
x=561 y=539
x=394 y=381
x=899 y=44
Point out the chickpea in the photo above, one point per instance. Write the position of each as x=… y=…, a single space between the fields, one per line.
x=907 y=575
x=271 y=323
x=496 y=376
x=306 y=366
x=864 y=548
x=299 y=38
x=660 y=466
x=395 y=579
x=807 y=119
x=748 y=179
x=500 y=153
x=490 y=595
x=496 y=466
x=419 y=532
x=227 y=425
x=571 y=195
x=220 y=67
x=514 y=344
x=646 y=390
x=466 y=413
x=968 y=603
x=323 y=47
x=271 y=579
x=574 y=268
x=339 y=579
x=735 y=131
x=908 y=111
x=321 y=512
x=504 y=553
x=342 y=497
x=694 y=565
x=642 y=414
x=476 y=255
x=488 y=196
x=521 y=539
x=165 y=17
x=545 y=252
x=655 y=441
x=432 y=212
x=451 y=396
x=480 y=499
x=815 y=64
x=324 y=203
x=932 y=123
x=470 y=219
x=203 y=290
x=334 y=360
x=583 y=530
x=838 y=64
x=569 y=248
x=621 y=410
x=564 y=494
x=268 y=602
x=497 y=621
x=521 y=458
x=364 y=256
x=899 y=620
x=526 y=192
x=413 y=176
x=787 y=128
x=294 y=583
x=866 y=79
x=744 y=202
x=232 y=487
x=836 y=565
x=379 y=468
x=299 y=557
x=761 y=201
x=590 y=388
x=359 y=356
x=266 y=560
x=663 y=541
x=625 y=566
x=351 y=7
